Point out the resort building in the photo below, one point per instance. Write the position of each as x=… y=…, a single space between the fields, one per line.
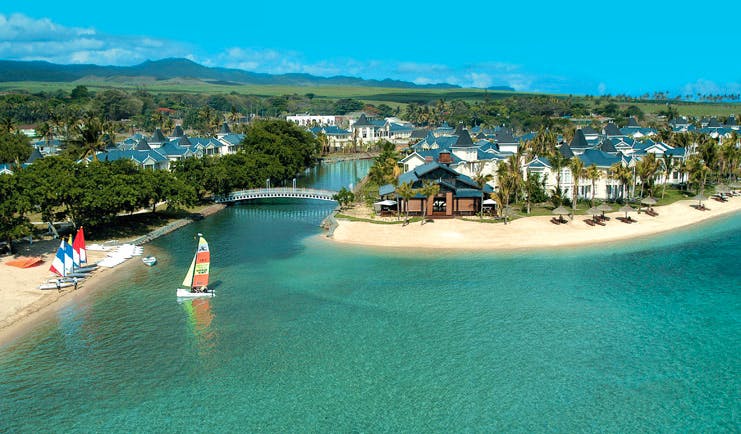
x=308 y=121
x=457 y=195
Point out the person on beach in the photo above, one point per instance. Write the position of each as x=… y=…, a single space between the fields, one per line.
x=74 y=280
x=59 y=285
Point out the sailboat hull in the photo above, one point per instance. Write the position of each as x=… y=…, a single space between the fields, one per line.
x=185 y=293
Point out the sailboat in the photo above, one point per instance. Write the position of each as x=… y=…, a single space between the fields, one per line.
x=196 y=280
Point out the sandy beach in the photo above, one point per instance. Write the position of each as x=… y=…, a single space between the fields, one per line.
x=22 y=303
x=529 y=232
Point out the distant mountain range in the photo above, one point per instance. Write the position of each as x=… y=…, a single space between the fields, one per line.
x=167 y=69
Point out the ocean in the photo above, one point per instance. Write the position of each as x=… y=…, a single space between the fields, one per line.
x=310 y=336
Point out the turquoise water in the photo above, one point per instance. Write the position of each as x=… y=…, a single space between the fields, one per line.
x=306 y=335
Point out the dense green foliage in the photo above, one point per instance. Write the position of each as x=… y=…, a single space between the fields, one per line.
x=89 y=195
x=14 y=147
x=272 y=150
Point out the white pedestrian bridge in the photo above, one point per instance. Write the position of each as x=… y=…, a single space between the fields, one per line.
x=278 y=192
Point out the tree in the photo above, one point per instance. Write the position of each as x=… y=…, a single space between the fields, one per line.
x=593 y=174
x=533 y=189
x=406 y=192
x=558 y=162
x=80 y=92
x=623 y=175
x=14 y=203
x=429 y=189
x=647 y=168
x=88 y=138
x=577 y=171
x=502 y=193
x=344 y=197
x=15 y=147
x=668 y=163
x=291 y=148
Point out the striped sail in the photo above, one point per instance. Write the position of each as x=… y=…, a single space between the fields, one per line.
x=57 y=264
x=68 y=256
x=197 y=275
x=202 y=261
x=79 y=253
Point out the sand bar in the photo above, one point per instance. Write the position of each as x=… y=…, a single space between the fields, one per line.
x=530 y=232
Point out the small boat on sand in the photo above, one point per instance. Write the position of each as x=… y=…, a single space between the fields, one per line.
x=61 y=284
x=149 y=260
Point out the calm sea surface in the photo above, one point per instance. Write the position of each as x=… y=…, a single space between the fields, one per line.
x=306 y=335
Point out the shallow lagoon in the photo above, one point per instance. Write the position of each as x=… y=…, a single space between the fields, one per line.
x=306 y=335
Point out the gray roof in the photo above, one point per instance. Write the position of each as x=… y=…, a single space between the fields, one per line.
x=464 y=139
x=579 y=141
x=158 y=137
x=612 y=130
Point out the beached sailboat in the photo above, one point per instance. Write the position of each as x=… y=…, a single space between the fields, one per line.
x=196 y=280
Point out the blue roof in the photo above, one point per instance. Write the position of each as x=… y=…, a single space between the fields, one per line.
x=386 y=189
x=233 y=138
x=173 y=148
x=599 y=158
x=138 y=156
x=400 y=127
x=676 y=152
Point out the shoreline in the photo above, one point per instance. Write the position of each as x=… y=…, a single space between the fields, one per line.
x=24 y=305
x=529 y=232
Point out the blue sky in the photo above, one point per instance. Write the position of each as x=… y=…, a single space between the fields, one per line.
x=580 y=47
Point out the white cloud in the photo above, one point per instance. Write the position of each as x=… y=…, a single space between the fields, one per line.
x=25 y=38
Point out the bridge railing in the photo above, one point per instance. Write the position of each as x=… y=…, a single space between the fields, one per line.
x=256 y=193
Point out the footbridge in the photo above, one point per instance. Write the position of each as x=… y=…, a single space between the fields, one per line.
x=278 y=192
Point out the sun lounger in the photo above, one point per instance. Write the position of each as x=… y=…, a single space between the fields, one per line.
x=555 y=221
x=590 y=222
x=599 y=222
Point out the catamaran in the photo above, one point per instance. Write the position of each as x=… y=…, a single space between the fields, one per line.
x=196 y=280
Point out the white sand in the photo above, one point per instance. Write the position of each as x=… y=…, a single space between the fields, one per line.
x=530 y=232
x=21 y=301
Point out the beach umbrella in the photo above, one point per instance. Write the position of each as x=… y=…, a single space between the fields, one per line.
x=626 y=209
x=699 y=198
x=648 y=201
x=490 y=202
x=387 y=202
x=560 y=211
x=603 y=207
x=593 y=211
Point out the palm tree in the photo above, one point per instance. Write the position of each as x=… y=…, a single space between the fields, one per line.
x=668 y=167
x=623 y=175
x=647 y=168
x=501 y=195
x=89 y=132
x=558 y=162
x=429 y=190
x=482 y=179
x=405 y=192
x=577 y=170
x=515 y=173
x=593 y=174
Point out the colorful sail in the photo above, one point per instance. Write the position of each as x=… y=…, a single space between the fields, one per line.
x=68 y=261
x=201 y=264
x=188 y=281
x=57 y=265
x=79 y=251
